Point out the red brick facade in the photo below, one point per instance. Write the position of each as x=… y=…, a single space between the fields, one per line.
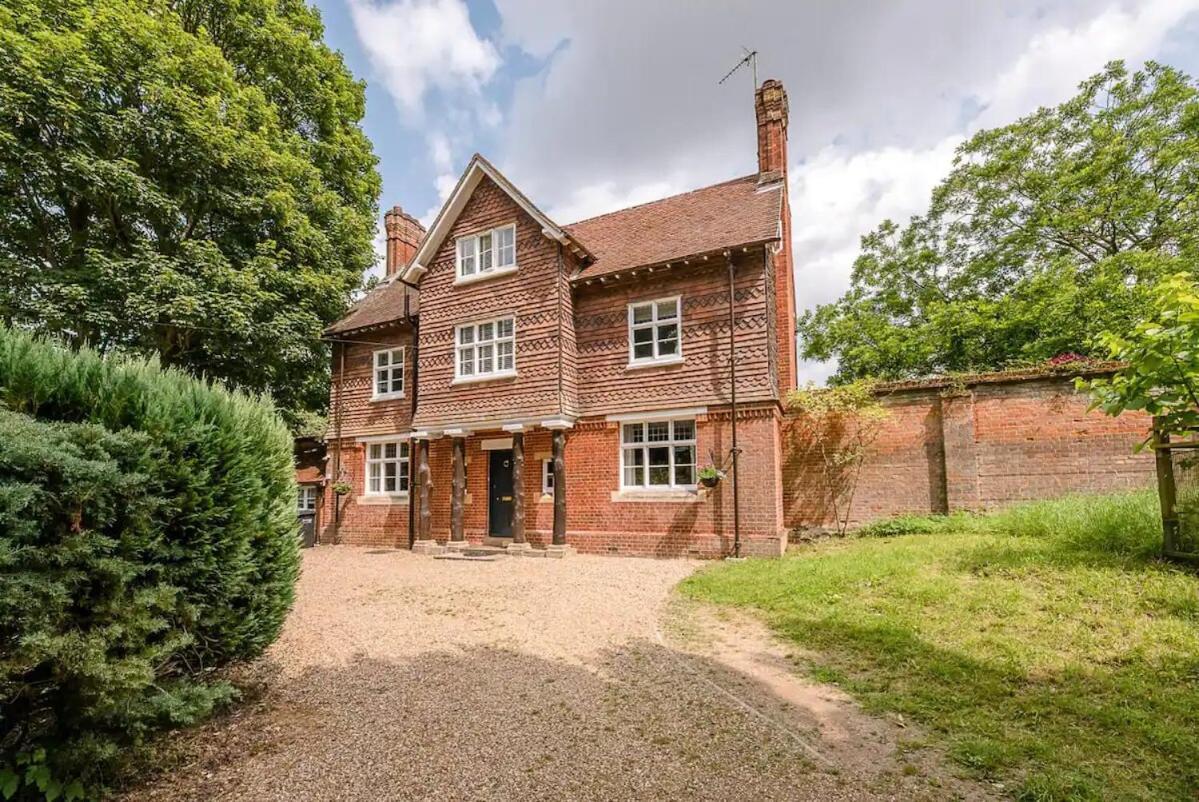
x=947 y=447
x=719 y=251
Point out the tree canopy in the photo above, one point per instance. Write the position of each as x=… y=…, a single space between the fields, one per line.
x=183 y=177
x=1044 y=234
x=1161 y=356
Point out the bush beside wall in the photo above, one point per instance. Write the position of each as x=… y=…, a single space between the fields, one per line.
x=147 y=538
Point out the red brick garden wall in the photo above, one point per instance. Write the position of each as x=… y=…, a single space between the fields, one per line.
x=977 y=446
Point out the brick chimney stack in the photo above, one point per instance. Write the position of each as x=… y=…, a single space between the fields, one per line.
x=770 y=107
x=404 y=234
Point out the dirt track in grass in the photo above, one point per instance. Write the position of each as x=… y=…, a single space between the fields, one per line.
x=403 y=677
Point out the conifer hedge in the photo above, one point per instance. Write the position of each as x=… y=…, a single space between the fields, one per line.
x=147 y=538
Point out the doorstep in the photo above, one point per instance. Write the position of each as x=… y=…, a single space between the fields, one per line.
x=490 y=549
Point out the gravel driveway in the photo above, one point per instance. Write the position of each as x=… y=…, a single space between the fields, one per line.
x=403 y=677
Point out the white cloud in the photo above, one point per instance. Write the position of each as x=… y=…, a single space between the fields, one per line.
x=418 y=45
x=838 y=196
x=1057 y=60
x=439 y=150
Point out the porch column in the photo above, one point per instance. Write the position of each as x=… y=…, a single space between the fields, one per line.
x=518 y=487
x=458 y=492
x=423 y=479
x=559 y=463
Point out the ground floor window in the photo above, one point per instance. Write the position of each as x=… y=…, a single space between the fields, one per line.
x=387 y=467
x=658 y=454
x=547 y=476
x=306 y=498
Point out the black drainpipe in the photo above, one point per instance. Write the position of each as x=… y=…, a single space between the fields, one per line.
x=341 y=388
x=733 y=398
x=415 y=323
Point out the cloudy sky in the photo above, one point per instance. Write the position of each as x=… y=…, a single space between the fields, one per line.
x=591 y=106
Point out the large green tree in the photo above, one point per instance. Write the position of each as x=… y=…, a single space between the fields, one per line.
x=183 y=177
x=1045 y=233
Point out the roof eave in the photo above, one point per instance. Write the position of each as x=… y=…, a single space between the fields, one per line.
x=650 y=267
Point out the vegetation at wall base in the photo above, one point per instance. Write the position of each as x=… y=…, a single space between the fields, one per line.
x=1044 y=646
x=147 y=539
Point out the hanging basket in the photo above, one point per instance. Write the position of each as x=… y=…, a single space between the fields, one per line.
x=710 y=477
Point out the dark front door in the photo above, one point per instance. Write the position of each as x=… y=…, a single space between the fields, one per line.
x=499 y=493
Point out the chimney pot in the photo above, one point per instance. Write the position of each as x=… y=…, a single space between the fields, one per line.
x=404 y=234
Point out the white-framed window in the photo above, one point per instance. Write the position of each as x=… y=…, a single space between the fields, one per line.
x=306 y=498
x=547 y=476
x=657 y=454
x=655 y=330
x=387 y=468
x=489 y=251
x=388 y=373
x=486 y=349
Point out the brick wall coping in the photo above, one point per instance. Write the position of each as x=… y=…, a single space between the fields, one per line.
x=1067 y=370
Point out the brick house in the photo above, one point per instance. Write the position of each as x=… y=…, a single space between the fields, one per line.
x=522 y=382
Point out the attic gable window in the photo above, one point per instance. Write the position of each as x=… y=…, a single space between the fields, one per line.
x=388 y=374
x=490 y=252
x=654 y=331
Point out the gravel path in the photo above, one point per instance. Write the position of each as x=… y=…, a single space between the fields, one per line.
x=403 y=677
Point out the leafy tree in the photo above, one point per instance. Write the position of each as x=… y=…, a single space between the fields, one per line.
x=1045 y=233
x=147 y=537
x=185 y=178
x=1162 y=356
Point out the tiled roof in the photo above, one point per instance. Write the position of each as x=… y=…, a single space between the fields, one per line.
x=383 y=304
x=727 y=215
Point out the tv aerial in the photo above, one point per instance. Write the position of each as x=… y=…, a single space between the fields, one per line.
x=751 y=59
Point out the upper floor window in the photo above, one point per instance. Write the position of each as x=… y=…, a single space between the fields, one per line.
x=658 y=454
x=389 y=373
x=387 y=468
x=654 y=331
x=486 y=349
x=480 y=254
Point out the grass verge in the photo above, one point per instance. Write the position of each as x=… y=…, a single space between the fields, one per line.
x=1043 y=646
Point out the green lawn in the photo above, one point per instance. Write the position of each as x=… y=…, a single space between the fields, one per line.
x=1043 y=647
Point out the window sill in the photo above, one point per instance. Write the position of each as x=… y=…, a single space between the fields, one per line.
x=477 y=277
x=654 y=363
x=387 y=396
x=382 y=499
x=677 y=494
x=508 y=374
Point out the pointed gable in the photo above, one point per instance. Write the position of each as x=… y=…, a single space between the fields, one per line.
x=478 y=169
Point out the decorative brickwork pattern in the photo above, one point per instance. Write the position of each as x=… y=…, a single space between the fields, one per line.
x=350 y=404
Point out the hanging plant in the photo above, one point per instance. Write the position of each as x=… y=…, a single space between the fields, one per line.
x=710 y=476
x=342 y=488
